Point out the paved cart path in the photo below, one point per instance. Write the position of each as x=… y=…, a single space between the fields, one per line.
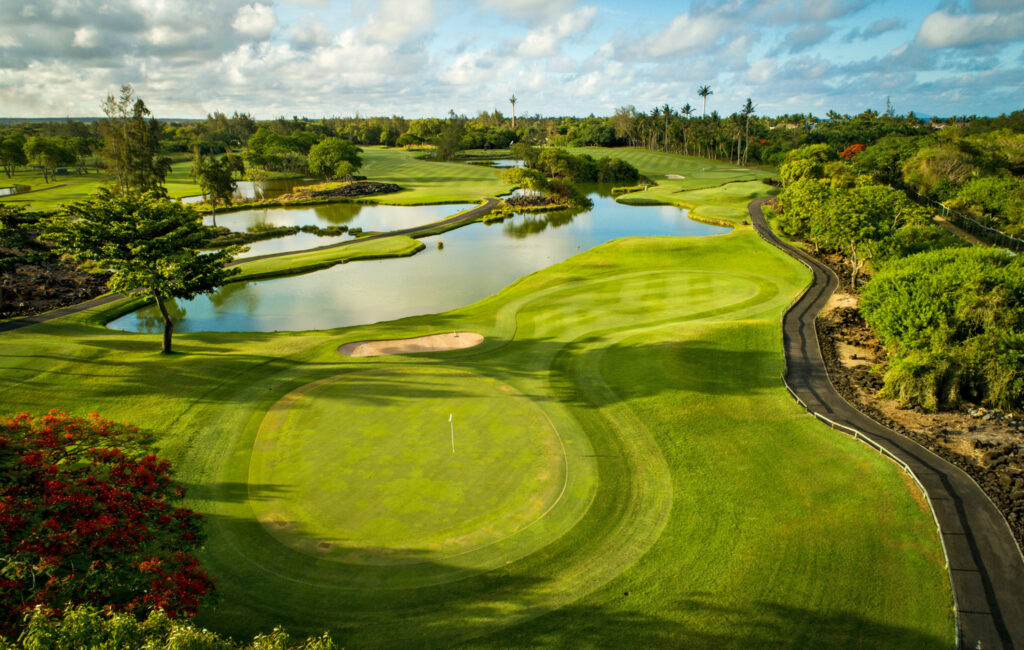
x=986 y=566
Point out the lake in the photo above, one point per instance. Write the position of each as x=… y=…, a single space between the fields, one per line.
x=477 y=260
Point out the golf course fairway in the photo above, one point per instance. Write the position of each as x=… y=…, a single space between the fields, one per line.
x=629 y=470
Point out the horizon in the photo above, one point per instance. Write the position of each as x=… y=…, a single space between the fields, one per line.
x=559 y=57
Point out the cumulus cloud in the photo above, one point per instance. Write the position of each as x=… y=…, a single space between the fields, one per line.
x=805 y=36
x=545 y=41
x=943 y=29
x=256 y=20
x=685 y=33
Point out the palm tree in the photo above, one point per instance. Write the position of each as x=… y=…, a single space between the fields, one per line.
x=704 y=91
x=667 y=114
x=513 y=100
x=748 y=109
x=686 y=111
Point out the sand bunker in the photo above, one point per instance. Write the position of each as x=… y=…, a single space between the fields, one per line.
x=431 y=343
x=675 y=176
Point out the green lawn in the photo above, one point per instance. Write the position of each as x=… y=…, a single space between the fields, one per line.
x=700 y=506
x=76 y=187
x=425 y=181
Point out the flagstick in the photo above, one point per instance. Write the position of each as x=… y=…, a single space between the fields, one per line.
x=453 y=432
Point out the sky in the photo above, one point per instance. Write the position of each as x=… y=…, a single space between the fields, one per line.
x=421 y=58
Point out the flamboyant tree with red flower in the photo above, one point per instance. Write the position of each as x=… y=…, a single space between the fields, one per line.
x=852 y=151
x=87 y=517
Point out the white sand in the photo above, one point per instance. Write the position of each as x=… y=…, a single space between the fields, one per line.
x=675 y=176
x=431 y=343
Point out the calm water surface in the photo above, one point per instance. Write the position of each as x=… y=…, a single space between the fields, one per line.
x=380 y=218
x=477 y=261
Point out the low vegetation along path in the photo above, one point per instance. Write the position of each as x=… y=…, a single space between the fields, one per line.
x=986 y=566
x=449 y=223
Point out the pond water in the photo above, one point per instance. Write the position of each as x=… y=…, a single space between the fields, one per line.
x=252 y=190
x=496 y=162
x=477 y=260
x=369 y=217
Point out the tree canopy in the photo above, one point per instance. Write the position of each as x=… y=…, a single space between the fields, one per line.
x=148 y=242
x=334 y=157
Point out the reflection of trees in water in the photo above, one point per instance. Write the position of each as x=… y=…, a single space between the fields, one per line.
x=150 y=320
x=533 y=224
x=338 y=213
x=235 y=296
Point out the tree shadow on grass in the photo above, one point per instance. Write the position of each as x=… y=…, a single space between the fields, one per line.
x=380 y=604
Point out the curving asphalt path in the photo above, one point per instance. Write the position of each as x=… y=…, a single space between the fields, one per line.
x=449 y=223
x=985 y=565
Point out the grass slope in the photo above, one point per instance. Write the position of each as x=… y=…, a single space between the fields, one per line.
x=717 y=513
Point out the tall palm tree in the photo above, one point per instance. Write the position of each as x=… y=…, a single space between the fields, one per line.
x=513 y=100
x=686 y=111
x=704 y=91
x=748 y=109
x=667 y=115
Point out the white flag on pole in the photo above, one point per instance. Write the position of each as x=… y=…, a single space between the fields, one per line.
x=449 y=417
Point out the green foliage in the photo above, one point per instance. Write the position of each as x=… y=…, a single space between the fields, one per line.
x=148 y=243
x=583 y=168
x=90 y=627
x=884 y=159
x=525 y=152
x=528 y=179
x=131 y=144
x=334 y=157
x=938 y=171
x=953 y=320
x=995 y=199
x=918 y=238
x=12 y=152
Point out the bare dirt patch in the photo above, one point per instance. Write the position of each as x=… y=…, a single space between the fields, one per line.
x=429 y=343
x=986 y=444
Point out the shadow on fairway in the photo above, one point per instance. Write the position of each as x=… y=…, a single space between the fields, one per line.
x=374 y=610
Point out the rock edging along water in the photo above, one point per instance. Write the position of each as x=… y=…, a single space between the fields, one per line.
x=451 y=222
x=985 y=565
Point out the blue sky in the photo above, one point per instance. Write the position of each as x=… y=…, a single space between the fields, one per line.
x=560 y=57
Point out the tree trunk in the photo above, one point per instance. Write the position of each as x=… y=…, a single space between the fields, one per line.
x=168 y=323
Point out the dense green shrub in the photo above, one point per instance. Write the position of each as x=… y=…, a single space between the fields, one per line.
x=953 y=321
x=89 y=627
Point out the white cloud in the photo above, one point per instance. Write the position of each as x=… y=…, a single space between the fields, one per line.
x=85 y=37
x=256 y=20
x=943 y=29
x=397 y=21
x=686 y=33
x=545 y=41
x=9 y=41
x=761 y=71
x=532 y=10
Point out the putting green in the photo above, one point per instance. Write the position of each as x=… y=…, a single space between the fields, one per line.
x=365 y=474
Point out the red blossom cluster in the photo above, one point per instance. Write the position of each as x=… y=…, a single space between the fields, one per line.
x=852 y=151
x=85 y=518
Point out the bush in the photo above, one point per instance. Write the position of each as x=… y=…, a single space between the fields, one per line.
x=953 y=321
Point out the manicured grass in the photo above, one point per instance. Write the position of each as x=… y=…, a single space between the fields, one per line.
x=426 y=181
x=75 y=187
x=312 y=260
x=696 y=172
x=704 y=508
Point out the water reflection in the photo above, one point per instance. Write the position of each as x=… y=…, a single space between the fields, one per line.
x=477 y=260
x=260 y=190
x=536 y=223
